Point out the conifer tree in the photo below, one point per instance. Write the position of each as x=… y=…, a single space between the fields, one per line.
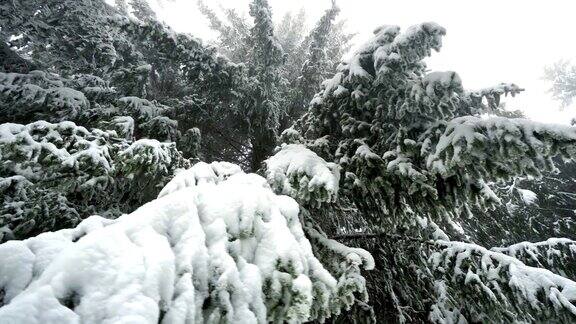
x=320 y=49
x=391 y=157
x=102 y=110
x=262 y=103
x=319 y=62
x=315 y=68
x=55 y=174
x=217 y=246
x=416 y=158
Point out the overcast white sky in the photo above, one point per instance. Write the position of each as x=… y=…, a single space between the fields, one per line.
x=488 y=41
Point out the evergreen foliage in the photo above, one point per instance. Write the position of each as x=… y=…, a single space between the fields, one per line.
x=456 y=202
x=417 y=158
x=286 y=67
x=262 y=107
x=77 y=106
x=54 y=175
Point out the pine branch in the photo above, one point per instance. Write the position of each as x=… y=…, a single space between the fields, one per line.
x=363 y=236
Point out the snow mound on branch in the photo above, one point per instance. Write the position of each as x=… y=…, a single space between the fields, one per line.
x=532 y=248
x=359 y=256
x=441 y=80
x=303 y=175
x=200 y=173
x=217 y=246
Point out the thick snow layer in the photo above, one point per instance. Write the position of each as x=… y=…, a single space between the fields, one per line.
x=300 y=173
x=218 y=245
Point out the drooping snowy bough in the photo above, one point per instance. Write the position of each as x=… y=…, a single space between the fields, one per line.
x=300 y=173
x=217 y=245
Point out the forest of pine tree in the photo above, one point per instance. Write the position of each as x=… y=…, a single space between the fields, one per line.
x=272 y=175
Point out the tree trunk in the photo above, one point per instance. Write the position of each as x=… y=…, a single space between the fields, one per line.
x=263 y=142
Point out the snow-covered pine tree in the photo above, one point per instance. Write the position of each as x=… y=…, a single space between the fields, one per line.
x=233 y=33
x=199 y=88
x=291 y=32
x=415 y=155
x=164 y=73
x=316 y=59
x=544 y=205
x=50 y=34
x=217 y=246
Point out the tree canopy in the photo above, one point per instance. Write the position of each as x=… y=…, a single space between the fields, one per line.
x=380 y=191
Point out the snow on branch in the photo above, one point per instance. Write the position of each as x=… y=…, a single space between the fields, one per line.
x=493 y=94
x=358 y=256
x=389 y=47
x=300 y=173
x=228 y=250
x=490 y=147
x=500 y=279
x=141 y=109
x=555 y=254
x=148 y=158
x=200 y=173
x=39 y=94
